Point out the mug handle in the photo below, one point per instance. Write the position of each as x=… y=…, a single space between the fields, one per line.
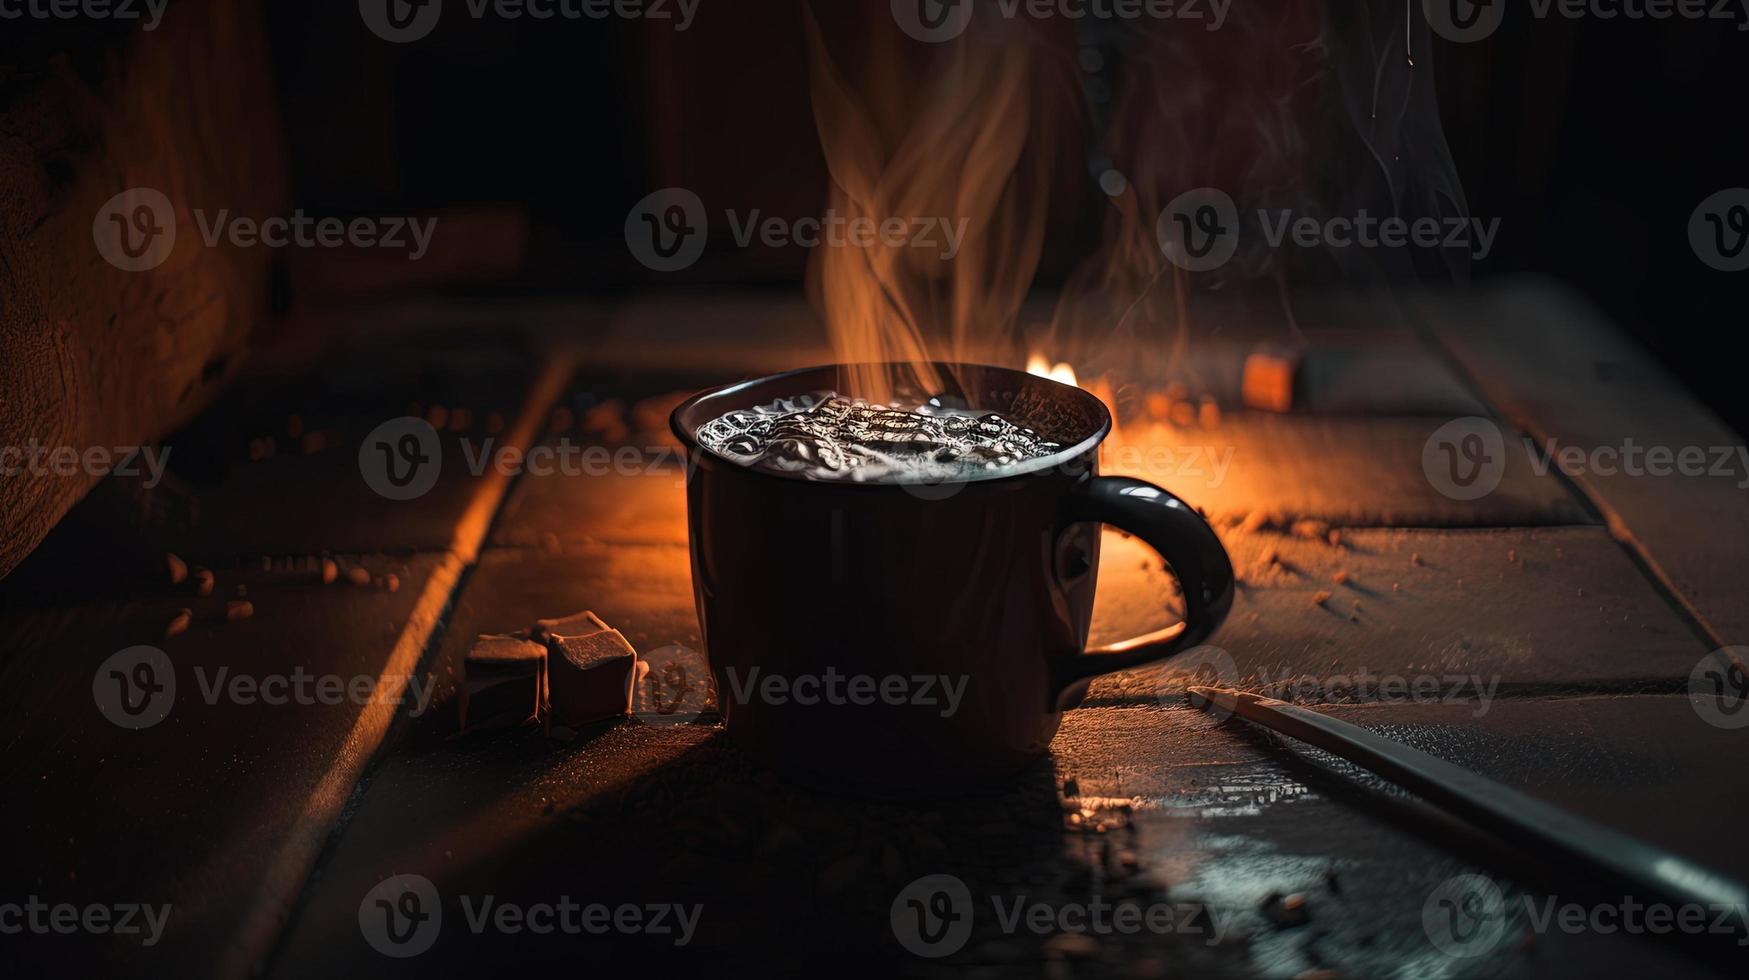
x=1191 y=551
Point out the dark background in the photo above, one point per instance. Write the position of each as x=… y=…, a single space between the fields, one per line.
x=1591 y=140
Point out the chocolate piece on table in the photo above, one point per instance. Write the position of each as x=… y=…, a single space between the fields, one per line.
x=590 y=677
x=579 y=624
x=505 y=681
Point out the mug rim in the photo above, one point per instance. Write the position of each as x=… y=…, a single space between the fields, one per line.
x=1031 y=467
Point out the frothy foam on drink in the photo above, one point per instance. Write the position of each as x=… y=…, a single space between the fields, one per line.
x=826 y=436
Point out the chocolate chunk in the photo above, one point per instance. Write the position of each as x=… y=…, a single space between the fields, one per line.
x=505 y=682
x=590 y=676
x=580 y=624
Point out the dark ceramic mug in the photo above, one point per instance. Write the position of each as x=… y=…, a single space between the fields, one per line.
x=918 y=640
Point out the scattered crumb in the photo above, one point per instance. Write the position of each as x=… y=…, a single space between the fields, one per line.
x=1320 y=597
x=178 y=569
x=1415 y=559
x=203 y=582
x=1395 y=587
x=1257 y=520
x=1512 y=555
x=1286 y=911
x=1341 y=577
x=358 y=576
x=239 y=609
x=1159 y=406
x=330 y=571
x=1581 y=593
x=1354 y=612
x=1310 y=529
x=1208 y=413
x=392 y=582
x=1072 y=946
x=179 y=623
x=1335 y=538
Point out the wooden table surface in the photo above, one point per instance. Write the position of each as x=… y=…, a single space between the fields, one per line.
x=1559 y=618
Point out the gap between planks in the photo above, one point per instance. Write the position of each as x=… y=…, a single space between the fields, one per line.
x=288 y=872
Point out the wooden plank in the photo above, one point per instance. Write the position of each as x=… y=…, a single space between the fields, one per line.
x=1210 y=815
x=1348 y=471
x=1558 y=370
x=262 y=783
x=190 y=811
x=1527 y=609
x=92 y=355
